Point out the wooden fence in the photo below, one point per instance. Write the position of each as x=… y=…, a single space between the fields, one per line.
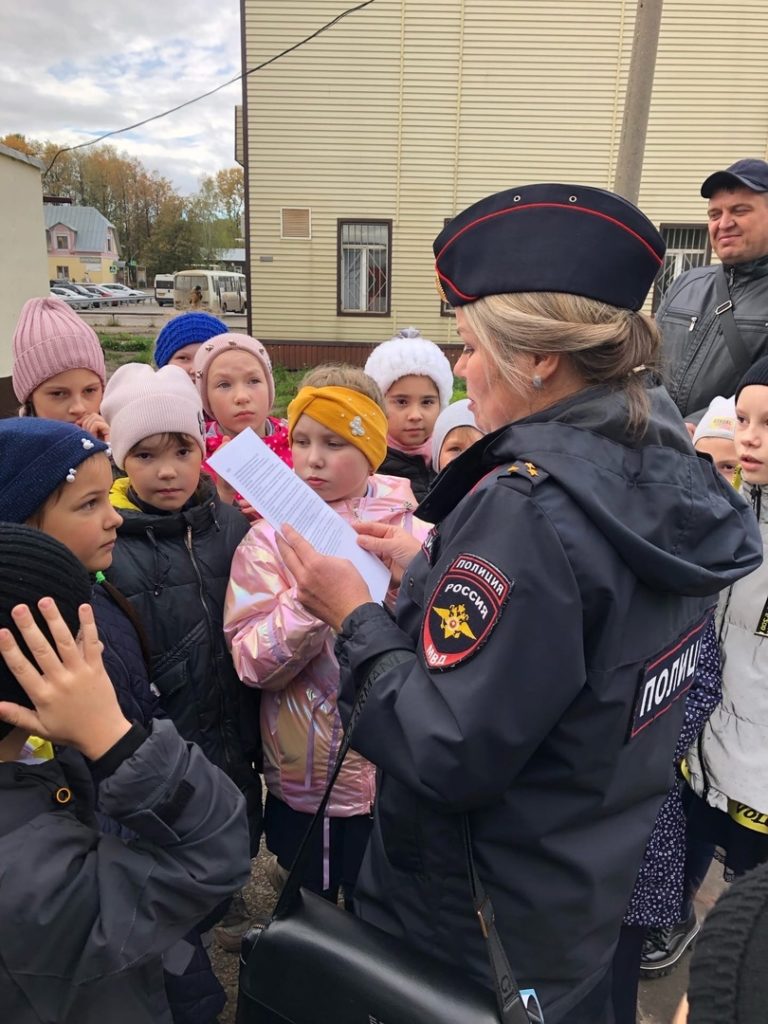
x=302 y=355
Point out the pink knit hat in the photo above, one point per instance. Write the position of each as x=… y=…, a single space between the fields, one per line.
x=139 y=402
x=49 y=339
x=208 y=351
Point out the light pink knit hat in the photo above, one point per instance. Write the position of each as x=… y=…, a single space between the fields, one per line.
x=208 y=351
x=139 y=402
x=49 y=339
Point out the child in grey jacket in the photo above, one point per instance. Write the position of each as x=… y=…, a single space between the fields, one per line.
x=84 y=917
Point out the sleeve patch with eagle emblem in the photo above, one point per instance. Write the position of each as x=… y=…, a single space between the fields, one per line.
x=465 y=606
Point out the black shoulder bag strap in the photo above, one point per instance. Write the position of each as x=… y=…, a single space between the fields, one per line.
x=508 y=998
x=739 y=353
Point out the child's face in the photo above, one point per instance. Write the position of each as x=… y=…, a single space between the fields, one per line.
x=752 y=433
x=68 y=396
x=333 y=468
x=722 y=452
x=185 y=357
x=164 y=472
x=457 y=441
x=81 y=517
x=238 y=392
x=412 y=405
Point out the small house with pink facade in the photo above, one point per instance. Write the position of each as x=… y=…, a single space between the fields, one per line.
x=82 y=244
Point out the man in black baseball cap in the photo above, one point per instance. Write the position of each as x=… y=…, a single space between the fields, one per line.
x=749 y=173
x=713 y=319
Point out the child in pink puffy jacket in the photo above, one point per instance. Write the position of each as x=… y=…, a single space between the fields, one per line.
x=338 y=436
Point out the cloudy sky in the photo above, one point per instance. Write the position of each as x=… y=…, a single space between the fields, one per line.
x=73 y=69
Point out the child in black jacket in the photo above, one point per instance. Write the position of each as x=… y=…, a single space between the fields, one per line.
x=172 y=561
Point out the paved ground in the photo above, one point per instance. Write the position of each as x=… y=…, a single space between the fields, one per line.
x=659 y=999
x=146 y=317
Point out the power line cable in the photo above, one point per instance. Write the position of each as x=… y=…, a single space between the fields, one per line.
x=211 y=92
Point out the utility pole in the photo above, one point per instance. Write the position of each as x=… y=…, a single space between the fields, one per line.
x=637 y=104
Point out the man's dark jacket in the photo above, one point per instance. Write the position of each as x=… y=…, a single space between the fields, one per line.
x=698 y=364
x=549 y=722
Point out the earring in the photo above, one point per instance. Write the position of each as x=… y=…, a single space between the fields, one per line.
x=537 y=382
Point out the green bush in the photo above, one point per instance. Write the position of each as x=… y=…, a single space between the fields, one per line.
x=286 y=385
x=459 y=389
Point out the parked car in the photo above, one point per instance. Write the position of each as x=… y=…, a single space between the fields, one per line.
x=107 y=298
x=80 y=289
x=126 y=293
x=72 y=299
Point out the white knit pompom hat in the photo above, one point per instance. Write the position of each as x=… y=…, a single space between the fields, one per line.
x=409 y=354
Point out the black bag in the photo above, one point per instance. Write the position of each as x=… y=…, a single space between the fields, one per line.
x=316 y=964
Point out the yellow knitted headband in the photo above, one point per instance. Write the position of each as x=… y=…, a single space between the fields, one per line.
x=350 y=414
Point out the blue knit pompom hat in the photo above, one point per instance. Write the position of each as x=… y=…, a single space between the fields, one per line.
x=36 y=456
x=185 y=329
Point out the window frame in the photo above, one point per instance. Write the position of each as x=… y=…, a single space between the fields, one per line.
x=340 y=224
x=59 y=246
x=658 y=295
x=62 y=272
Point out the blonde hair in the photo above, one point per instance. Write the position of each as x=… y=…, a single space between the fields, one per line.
x=605 y=344
x=342 y=375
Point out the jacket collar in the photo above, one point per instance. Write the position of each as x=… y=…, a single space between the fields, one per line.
x=202 y=515
x=752 y=270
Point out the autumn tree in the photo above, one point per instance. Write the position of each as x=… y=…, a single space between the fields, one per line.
x=155 y=225
x=218 y=205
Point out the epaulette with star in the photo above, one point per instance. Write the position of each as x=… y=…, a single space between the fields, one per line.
x=524 y=470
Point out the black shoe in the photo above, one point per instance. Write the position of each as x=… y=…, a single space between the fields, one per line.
x=664 y=947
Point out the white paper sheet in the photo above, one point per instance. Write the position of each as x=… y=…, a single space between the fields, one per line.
x=274 y=490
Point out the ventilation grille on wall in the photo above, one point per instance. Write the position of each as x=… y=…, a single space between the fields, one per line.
x=296 y=222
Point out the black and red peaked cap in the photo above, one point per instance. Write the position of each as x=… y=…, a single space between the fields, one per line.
x=549 y=238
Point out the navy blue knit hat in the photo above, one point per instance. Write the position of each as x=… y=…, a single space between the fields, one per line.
x=549 y=238
x=756 y=374
x=32 y=566
x=186 y=329
x=36 y=456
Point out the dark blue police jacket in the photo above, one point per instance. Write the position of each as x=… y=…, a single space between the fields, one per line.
x=534 y=677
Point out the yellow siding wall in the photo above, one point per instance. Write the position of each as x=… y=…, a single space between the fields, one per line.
x=98 y=273
x=411 y=109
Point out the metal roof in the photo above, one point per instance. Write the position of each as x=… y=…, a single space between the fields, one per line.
x=90 y=225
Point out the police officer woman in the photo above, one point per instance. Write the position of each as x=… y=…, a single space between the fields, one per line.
x=548 y=629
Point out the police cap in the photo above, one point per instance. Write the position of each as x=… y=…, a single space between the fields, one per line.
x=549 y=238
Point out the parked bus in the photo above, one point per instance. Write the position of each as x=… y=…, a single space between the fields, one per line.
x=222 y=291
x=164 y=289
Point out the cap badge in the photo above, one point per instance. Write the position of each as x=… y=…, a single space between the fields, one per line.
x=356 y=427
x=86 y=443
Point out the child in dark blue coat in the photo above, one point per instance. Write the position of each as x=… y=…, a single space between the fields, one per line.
x=56 y=477
x=172 y=561
x=85 y=918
